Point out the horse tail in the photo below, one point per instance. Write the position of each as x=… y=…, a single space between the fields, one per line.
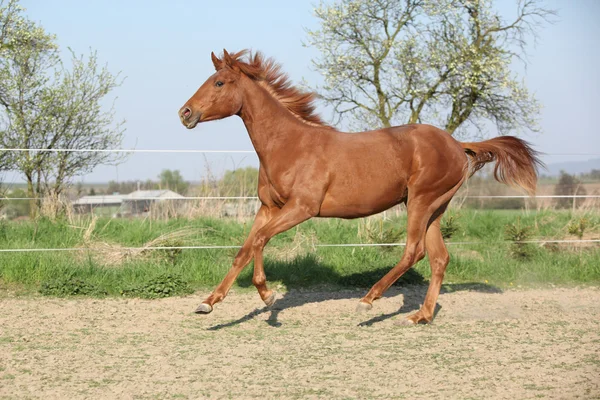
x=516 y=161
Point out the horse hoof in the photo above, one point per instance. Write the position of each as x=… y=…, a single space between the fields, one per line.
x=204 y=309
x=269 y=301
x=363 y=307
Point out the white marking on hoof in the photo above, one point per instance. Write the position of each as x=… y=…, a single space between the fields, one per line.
x=271 y=299
x=363 y=307
x=204 y=309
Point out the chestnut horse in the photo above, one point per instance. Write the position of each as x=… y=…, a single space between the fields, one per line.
x=309 y=169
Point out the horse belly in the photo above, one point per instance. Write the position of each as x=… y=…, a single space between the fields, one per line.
x=362 y=200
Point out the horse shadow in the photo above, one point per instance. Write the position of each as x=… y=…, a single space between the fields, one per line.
x=308 y=269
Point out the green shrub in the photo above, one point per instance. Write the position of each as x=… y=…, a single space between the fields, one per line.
x=518 y=234
x=70 y=287
x=165 y=285
x=377 y=232
x=449 y=226
x=578 y=227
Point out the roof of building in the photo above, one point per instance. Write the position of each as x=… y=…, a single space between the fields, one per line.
x=107 y=199
x=151 y=194
x=117 y=199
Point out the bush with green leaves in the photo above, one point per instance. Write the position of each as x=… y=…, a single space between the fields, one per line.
x=518 y=234
x=164 y=285
x=378 y=233
x=578 y=227
x=449 y=226
x=70 y=286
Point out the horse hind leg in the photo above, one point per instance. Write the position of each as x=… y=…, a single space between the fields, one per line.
x=438 y=261
x=423 y=211
x=418 y=216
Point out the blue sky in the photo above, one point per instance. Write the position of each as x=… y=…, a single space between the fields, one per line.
x=163 y=50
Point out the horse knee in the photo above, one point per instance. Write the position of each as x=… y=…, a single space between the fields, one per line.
x=259 y=242
x=242 y=258
x=419 y=252
x=415 y=253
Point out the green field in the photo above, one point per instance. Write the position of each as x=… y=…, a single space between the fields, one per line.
x=293 y=259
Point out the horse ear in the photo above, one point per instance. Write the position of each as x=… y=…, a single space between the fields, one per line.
x=216 y=61
x=230 y=61
x=227 y=58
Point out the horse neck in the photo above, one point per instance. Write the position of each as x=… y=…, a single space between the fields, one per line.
x=270 y=125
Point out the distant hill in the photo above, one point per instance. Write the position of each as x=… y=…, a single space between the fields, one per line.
x=572 y=167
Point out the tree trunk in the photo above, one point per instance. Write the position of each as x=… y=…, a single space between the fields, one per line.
x=451 y=127
x=31 y=195
x=414 y=117
x=385 y=121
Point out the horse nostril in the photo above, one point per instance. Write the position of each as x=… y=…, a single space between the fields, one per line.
x=186 y=112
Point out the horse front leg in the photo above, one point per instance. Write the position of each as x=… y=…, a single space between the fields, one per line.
x=290 y=215
x=242 y=259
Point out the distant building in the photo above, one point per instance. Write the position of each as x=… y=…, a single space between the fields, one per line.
x=139 y=202
x=135 y=203
x=88 y=204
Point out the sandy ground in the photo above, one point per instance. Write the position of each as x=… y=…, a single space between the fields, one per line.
x=513 y=345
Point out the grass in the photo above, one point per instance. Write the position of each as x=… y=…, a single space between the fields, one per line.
x=291 y=259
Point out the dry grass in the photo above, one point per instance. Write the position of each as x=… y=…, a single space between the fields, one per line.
x=113 y=254
x=302 y=244
x=55 y=206
x=239 y=210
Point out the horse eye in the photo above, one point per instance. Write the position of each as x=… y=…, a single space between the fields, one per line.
x=219 y=83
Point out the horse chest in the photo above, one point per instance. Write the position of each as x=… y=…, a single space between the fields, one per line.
x=272 y=194
x=278 y=185
x=276 y=197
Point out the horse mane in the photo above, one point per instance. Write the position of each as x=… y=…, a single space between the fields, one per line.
x=269 y=75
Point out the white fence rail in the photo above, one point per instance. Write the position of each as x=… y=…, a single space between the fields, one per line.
x=200 y=151
x=217 y=247
x=128 y=151
x=591 y=196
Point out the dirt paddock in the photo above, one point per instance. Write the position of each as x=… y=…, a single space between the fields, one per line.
x=520 y=344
